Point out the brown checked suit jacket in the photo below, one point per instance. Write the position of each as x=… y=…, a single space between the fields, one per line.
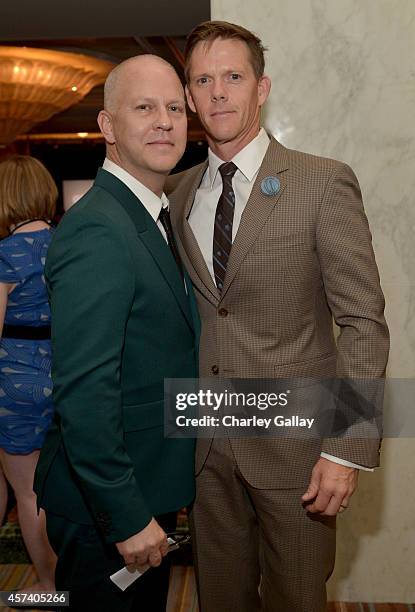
x=300 y=259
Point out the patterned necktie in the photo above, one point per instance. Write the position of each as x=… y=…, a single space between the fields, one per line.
x=222 y=234
x=164 y=217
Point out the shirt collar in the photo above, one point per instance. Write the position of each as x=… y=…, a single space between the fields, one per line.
x=148 y=198
x=248 y=160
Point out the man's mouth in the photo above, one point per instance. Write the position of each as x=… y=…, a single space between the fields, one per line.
x=222 y=113
x=161 y=142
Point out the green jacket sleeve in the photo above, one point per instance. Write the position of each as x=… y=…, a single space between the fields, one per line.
x=91 y=283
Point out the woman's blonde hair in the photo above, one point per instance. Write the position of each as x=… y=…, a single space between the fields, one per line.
x=27 y=191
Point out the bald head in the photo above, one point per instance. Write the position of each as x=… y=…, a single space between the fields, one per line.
x=144 y=121
x=133 y=67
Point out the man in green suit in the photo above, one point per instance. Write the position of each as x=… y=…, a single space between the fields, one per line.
x=123 y=320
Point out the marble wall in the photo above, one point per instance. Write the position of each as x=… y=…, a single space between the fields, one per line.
x=343 y=74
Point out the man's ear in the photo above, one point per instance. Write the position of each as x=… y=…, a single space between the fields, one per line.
x=264 y=87
x=190 y=99
x=104 y=120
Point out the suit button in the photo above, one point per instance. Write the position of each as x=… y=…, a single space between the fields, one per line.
x=215 y=369
x=223 y=312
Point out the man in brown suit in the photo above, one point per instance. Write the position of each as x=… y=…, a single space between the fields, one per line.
x=277 y=245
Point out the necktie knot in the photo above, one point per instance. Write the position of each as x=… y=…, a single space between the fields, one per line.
x=227 y=170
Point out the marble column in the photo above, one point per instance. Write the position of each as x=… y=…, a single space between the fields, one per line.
x=343 y=74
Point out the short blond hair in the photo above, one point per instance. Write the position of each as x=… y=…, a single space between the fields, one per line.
x=209 y=31
x=27 y=191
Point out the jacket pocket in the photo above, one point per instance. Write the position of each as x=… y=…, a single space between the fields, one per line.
x=143 y=416
x=301 y=373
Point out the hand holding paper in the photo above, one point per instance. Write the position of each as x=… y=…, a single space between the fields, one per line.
x=125 y=577
x=146 y=547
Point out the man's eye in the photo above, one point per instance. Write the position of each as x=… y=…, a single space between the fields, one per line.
x=143 y=106
x=235 y=76
x=202 y=80
x=176 y=108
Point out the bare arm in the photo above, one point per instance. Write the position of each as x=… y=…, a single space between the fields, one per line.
x=5 y=289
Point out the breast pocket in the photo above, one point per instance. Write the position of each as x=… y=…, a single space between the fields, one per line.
x=272 y=241
x=284 y=253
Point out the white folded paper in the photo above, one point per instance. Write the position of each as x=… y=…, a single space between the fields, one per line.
x=124 y=577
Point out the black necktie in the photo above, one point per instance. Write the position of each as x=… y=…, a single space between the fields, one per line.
x=164 y=217
x=222 y=234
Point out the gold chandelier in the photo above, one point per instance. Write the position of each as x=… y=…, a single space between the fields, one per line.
x=37 y=83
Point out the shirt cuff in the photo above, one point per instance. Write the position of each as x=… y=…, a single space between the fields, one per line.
x=346 y=463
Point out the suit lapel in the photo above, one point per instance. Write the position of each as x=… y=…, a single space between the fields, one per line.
x=195 y=261
x=148 y=233
x=258 y=209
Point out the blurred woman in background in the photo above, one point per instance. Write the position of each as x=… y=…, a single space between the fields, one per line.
x=28 y=197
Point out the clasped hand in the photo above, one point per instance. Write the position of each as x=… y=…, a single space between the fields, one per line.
x=145 y=548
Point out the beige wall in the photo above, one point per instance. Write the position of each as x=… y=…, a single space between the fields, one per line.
x=343 y=74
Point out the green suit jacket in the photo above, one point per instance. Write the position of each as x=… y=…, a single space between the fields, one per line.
x=121 y=323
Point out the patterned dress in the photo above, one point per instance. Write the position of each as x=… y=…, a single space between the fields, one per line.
x=25 y=379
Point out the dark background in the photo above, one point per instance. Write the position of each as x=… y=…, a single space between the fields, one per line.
x=113 y=31
x=42 y=19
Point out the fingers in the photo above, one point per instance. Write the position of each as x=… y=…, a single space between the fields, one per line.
x=344 y=504
x=313 y=487
x=311 y=492
x=333 y=506
x=145 y=549
x=330 y=501
x=133 y=567
x=141 y=561
x=134 y=558
x=144 y=560
x=330 y=489
x=155 y=558
x=149 y=557
x=320 y=503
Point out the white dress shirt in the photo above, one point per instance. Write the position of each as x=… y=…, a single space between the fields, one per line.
x=151 y=202
x=202 y=216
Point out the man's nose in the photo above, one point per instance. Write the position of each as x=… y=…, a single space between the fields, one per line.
x=163 y=120
x=218 y=92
